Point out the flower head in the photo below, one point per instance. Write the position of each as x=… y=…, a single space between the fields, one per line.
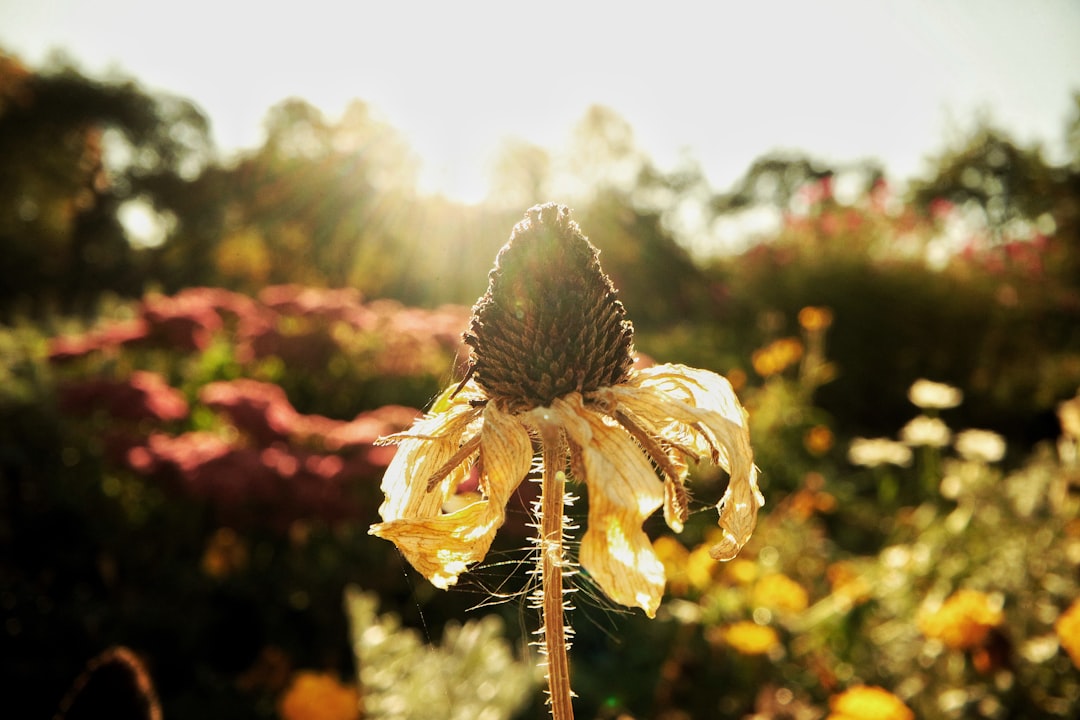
x=964 y=620
x=318 y=696
x=868 y=702
x=872 y=452
x=980 y=445
x=551 y=372
x=925 y=430
x=748 y=638
x=934 y=395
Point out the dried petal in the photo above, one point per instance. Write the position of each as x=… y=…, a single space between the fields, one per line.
x=700 y=408
x=442 y=546
x=623 y=491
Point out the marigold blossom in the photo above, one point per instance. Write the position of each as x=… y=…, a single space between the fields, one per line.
x=318 y=696
x=748 y=638
x=552 y=368
x=964 y=620
x=868 y=702
x=779 y=592
x=815 y=319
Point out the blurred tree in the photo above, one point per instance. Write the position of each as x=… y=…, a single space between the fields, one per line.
x=520 y=175
x=990 y=172
x=603 y=153
x=75 y=151
x=656 y=277
x=775 y=180
x=319 y=203
x=1015 y=193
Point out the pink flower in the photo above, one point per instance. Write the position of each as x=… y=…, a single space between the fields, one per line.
x=259 y=410
x=106 y=338
x=184 y=322
x=143 y=396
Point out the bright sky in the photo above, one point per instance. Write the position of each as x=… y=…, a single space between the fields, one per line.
x=724 y=81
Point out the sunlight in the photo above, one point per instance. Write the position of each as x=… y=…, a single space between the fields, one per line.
x=144 y=226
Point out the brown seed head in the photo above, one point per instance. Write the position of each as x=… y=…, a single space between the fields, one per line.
x=550 y=322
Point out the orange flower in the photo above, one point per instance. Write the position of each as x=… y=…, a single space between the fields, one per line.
x=868 y=702
x=818 y=440
x=1068 y=631
x=777 y=356
x=815 y=318
x=225 y=554
x=319 y=696
x=963 y=621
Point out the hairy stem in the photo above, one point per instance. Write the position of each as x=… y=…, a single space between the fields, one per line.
x=551 y=578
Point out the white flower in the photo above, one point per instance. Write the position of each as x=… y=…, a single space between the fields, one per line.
x=924 y=430
x=871 y=452
x=934 y=395
x=980 y=445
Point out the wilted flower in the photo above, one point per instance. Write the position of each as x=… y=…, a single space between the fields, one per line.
x=872 y=452
x=1068 y=631
x=868 y=702
x=980 y=445
x=319 y=696
x=552 y=363
x=748 y=638
x=934 y=395
x=963 y=621
x=924 y=430
x=552 y=368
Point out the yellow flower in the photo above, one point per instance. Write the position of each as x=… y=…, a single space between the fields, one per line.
x=779 y=592
x=748 y=638
x=700 y=568
x=741 y=571
x=318 y=696
x=552 y=369
x=1068 y=631
x=674 y=555
x=963 y=621
x=867 y=702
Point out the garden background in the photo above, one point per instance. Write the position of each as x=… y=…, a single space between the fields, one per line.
x=188 y=416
